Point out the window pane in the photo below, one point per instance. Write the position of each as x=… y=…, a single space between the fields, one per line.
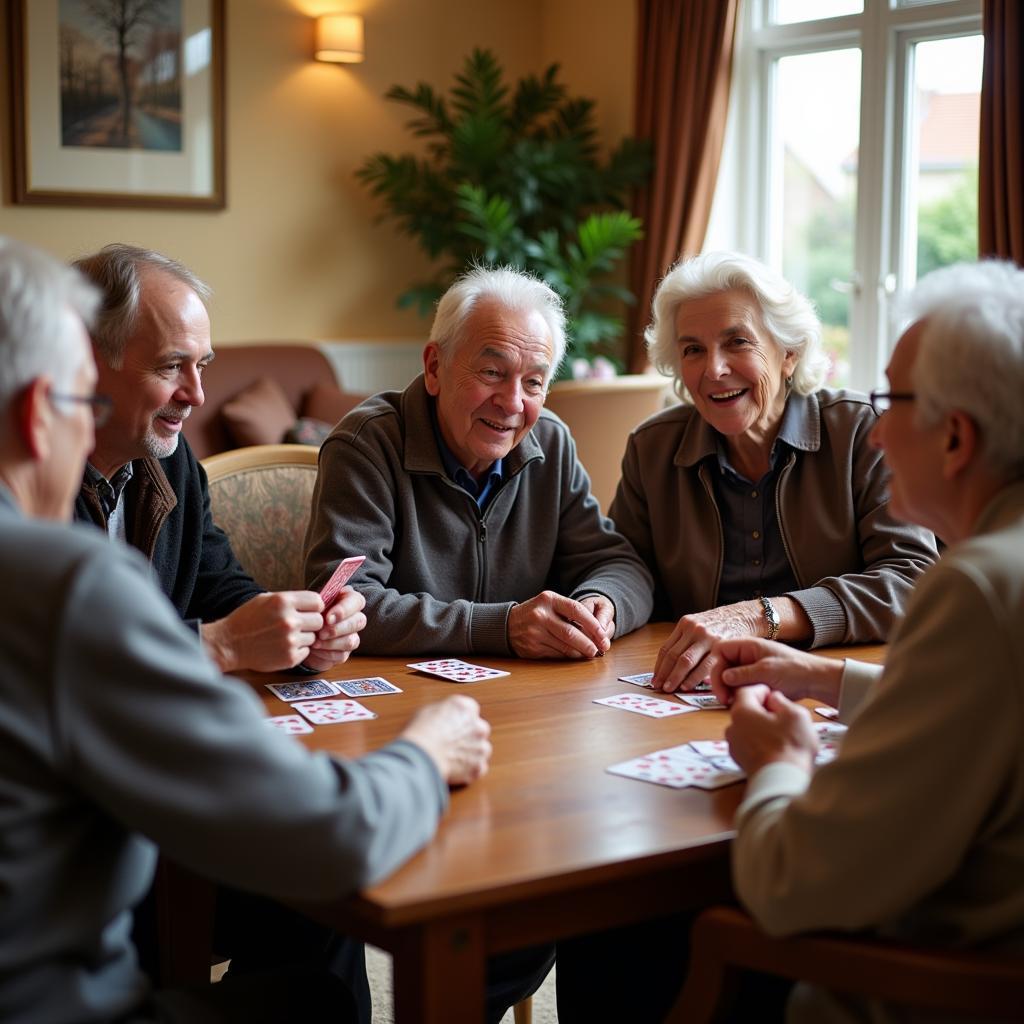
x=814 y=175
x=785 y=12
x=942 y=183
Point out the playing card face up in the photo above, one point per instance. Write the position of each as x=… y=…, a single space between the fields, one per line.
x=304 y=689
x=676 y=767
x=641 y=704
x=456 y=671
x=330 y=712
x=292 y=724
x=369 y=687
x=342 y=574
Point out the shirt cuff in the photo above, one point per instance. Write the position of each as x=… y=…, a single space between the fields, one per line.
x=775 y=781
x=859 y=679
x=488 y=629
x=826 y=612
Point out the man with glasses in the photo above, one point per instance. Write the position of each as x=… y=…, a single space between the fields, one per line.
x=916 y=831
x=118 y=734
x=144 y=485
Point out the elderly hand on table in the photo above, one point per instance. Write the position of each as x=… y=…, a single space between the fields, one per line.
x=797 y=674
x=767 y=727
x=552 y=626
x=455 y=736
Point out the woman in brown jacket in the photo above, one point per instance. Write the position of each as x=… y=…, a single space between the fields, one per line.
x=759 y=503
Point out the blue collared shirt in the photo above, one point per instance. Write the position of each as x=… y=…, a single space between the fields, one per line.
x=482 y=491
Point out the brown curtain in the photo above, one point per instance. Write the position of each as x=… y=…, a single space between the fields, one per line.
x=684 y=62
x=1001 y=163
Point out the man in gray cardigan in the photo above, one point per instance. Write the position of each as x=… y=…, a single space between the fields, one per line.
x=480 y=532
x=118 y=734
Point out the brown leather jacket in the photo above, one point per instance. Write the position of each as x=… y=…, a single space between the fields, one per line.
x=832 y=505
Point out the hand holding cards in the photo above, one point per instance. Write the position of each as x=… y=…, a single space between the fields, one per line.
x=341 y=575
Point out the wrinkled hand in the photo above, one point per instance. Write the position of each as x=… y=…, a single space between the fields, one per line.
x=268 y=633
x=795 y=673
x=455 y=736
x=552 y=626
x=603 y=610
x=687 y=657
x=768 y=727
x=339 y=636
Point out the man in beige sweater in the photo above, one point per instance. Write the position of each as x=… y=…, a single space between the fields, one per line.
x=916 y=831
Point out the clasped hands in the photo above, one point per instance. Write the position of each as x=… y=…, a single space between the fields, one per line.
x=285 y=628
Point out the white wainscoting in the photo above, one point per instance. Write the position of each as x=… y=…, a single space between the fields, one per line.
x=371 y=366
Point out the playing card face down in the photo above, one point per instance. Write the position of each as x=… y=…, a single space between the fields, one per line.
x=369 y=687
x=291 y=724
x=304 y=689
x=641 y=704
x=343 y=572
x=456 y=670
x=331 y=712
x=701 y=701
x=676 y=767
x=645 y=679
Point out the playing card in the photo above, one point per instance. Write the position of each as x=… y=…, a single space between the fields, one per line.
x=640 y=679
x=716 y=753
x=455 y=670
x=328 y=712
x=342 y=574
x=291 y=724
x=641 y=704
x=644 y=679
x=676 y=767
x=830 y=737
x=707 y=702
x=827 y=712
x=303 y=689
x=368 y=687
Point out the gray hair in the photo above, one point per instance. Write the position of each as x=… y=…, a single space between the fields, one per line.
x=788 y=316
x=971 y=354
x=117 y=271
x=36 y=292
x=508 y=287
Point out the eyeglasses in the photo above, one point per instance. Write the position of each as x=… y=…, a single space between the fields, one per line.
x=101 y=405
x=881 y=401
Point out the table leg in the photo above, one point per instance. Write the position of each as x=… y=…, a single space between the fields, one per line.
x=440 y=973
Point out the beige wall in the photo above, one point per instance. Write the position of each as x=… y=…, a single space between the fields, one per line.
x=296 y=254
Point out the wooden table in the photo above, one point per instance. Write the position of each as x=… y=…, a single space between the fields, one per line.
x=548 y=844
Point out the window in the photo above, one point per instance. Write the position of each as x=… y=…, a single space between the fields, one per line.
x=851 y=157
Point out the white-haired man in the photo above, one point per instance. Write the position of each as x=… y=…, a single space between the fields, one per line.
x=114 y=726
x=916 y=831
x=480 y=532
x=144 y=485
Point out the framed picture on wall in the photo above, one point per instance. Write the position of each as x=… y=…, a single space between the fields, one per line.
x=118 y=102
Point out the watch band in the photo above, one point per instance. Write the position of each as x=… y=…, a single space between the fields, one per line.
x=772 y=616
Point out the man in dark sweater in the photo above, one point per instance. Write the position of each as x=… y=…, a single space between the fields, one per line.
x=143 y=484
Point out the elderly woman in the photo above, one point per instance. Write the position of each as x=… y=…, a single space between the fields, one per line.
x=759 y=504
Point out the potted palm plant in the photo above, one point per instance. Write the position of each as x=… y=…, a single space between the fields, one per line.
x=515 y=176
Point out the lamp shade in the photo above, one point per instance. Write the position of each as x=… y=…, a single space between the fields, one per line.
x=339 y=37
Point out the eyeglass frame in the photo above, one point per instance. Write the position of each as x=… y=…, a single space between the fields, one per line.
x=884 y=395
x=100 y=405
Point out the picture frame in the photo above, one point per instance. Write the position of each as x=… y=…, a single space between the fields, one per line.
x=99 y=123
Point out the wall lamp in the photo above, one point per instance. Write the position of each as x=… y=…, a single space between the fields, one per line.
x=339 y=38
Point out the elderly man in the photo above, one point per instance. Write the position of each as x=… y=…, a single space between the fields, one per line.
x=916 y=831
x=467 y=499
x=115 y=726
x=143 y=484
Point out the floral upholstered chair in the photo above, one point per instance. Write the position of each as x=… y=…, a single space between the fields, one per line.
x=260 y=497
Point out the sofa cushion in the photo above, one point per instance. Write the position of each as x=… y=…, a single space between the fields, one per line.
x=328 y=403
x=259 y=414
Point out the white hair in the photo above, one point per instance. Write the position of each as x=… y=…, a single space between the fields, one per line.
x=36 y=294
x=511 y=289
x=117 y=271
x=971 y=354
x=788 y=316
